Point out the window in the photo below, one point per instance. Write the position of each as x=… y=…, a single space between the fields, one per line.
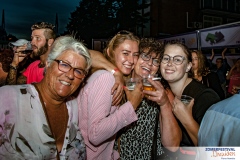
x=207 y=4
x=210 y=21
x=231 y=5
x=226 y=5
x=217 y=4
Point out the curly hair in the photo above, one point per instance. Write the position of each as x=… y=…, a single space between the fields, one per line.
x=49 y=29
x=151 y=44
x=155 y=46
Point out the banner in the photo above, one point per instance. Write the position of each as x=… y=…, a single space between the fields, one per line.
x=189 y=39
x=206 y=153
x=222 y=37
x=218 y=153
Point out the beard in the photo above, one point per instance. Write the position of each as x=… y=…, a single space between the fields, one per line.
x=42 y=50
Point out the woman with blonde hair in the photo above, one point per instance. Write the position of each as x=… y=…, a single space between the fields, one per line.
x=99 y=120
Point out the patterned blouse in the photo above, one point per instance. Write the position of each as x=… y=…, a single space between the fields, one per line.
x=136 y=140
x=24 y=131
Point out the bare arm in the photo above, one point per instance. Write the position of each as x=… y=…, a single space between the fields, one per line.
x=168 y=125
x=12 y=74
x=22 y=79
x=212 y=56
x=223 y=53
x=171 y=133
x=192 y=128
x=184 y=114
x=100 y=62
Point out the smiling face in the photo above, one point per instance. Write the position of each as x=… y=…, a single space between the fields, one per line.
x=172 y=72
x=61 y=84
x=126 y=56
x=144 y=68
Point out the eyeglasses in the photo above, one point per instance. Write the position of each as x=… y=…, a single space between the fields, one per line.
x=147 y=57
x=65 y=67
x=176 y=59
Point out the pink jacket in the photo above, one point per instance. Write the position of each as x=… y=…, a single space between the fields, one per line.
x=98 y=120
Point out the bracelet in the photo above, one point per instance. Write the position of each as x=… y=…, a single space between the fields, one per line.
x=114 y=70
x=15 y=68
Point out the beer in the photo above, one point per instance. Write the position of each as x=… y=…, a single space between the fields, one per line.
x=148 y=87
x=27 y=51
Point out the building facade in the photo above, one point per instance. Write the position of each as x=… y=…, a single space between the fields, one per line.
x=170 y=17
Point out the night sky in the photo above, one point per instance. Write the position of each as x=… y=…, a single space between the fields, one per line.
x=21 y=14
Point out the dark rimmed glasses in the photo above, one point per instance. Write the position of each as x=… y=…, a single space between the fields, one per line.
x=65 y=67
x=176 y=59
x=147 y=57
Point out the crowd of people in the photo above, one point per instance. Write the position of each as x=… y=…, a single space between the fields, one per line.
x=62 y=100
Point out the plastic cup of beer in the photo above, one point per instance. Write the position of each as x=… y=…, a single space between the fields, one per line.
x=28 y=49
x=185 y=99
x=131 y=83
x=147 y=85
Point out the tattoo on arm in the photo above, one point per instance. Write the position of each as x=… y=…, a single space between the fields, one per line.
x=11 y=77
x=22 y=79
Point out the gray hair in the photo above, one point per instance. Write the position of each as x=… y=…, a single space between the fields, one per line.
x=65 y=43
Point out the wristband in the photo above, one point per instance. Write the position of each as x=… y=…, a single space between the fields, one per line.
x=114 y=70
x=13 y=67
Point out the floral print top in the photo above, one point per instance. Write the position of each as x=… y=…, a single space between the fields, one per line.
x=24 y=131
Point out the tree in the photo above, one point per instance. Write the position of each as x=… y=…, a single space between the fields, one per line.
x=104 y=18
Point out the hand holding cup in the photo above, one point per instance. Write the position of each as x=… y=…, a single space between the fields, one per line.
x=147 y=85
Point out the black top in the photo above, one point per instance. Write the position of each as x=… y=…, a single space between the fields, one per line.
x=212 y=81
x=203 y=98
x=221 y=72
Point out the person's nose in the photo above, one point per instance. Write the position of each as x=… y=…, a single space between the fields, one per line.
x=33 y=42
x=170 y=62
x=70 y=73
x=131 y=59
x=150 y=62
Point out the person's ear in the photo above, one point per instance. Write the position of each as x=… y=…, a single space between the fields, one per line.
x=189 y=66
x=50 y=42
x=108 y=52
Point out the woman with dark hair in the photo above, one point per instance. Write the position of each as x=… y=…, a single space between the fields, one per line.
x=234 y=77
x=175 y=66
x=201 y=73
x=156 y=125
